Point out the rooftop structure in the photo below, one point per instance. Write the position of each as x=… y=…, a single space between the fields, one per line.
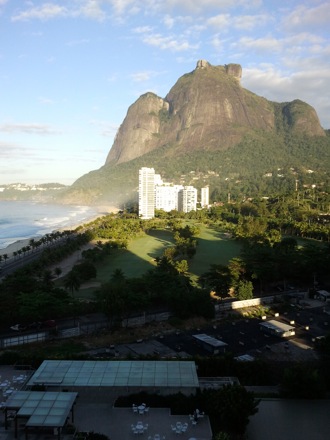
x=210 y=344
x=278 y=328
x=41 y=409
x=154 y=374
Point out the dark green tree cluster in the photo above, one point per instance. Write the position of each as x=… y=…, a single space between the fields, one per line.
x=29 y=294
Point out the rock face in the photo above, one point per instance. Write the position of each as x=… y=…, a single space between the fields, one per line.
x=207 y=109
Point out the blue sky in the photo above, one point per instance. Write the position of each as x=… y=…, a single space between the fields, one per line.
x=69 y=70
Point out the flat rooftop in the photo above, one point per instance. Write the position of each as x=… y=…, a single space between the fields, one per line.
x=116 y=373
x=210 y=340
x=277 y=325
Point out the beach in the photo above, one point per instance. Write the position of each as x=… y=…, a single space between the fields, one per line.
x=19 y=244
x=14 y=247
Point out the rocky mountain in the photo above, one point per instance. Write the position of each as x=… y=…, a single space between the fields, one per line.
x=206 y=109
x=206 y=114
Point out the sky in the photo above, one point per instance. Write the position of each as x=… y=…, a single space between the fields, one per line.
x=69 y=70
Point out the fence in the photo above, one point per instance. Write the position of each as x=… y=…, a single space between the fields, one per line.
x=21 y=339
x=136 y=321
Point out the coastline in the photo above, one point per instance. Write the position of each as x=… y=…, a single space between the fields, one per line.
x=19 y=244
x=14 y=247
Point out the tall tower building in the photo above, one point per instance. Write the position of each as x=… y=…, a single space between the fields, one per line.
x=146 y=193
x=187 y=199
x=205 y=198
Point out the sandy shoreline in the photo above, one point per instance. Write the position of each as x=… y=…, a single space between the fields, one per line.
x=19 y=244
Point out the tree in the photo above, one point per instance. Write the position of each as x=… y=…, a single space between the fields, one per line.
x=182 y=266
x=85 y=270
x=72 y=281
x=231 y=407
x=303 y=382
x=57 y=271
x=47 y=279
x=217 y=279
x=245 y=290
x=111 y=300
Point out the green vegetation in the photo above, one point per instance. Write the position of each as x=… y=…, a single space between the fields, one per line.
x=262 y=164
x=174 y=261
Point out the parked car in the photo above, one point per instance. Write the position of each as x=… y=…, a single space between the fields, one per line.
x=18 y=327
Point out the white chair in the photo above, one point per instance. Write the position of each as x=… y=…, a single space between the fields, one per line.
x=146 y=409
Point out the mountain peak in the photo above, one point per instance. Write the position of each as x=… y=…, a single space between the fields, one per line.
x=207 y=109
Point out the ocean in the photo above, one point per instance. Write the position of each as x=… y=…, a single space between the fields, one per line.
x=23 y=220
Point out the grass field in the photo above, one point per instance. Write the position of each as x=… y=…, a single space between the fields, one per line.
x=213 y=247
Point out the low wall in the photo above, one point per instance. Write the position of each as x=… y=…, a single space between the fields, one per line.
x=234 y=305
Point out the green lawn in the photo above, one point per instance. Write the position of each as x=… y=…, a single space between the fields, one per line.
x=213 y=247
x=138 y=258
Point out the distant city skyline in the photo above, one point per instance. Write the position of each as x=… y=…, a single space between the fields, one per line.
x=71 y=69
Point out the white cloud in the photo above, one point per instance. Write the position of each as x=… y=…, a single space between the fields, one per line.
x=307 y=85
x=27 y=128
x=306 y=17
x=219 y=21
x=168 y=21
x=9 y=150
x=141 y=76
x=194 y=6
x=92 y=9
x=142 y=29
x=269 y=44
x=44 y=12
x=250 y=22
x=169 y=43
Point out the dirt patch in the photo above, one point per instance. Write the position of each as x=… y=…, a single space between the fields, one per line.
x=105 y=338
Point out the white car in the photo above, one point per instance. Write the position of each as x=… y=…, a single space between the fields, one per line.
x=18 y=327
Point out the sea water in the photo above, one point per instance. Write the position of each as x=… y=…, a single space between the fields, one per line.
x=22 y=220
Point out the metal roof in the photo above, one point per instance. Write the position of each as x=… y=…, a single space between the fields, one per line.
x=43 y=409
x=209 y=340
x=116 y=373
x=277 y=325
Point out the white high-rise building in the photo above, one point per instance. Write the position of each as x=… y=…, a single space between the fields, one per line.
x=187 y=199
x=146 y=193
x=166 y=196
x=205 y=198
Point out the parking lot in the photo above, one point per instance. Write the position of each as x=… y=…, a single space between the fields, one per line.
x=242 y=336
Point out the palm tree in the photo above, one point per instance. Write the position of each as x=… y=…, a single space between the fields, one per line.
x=32 y=243
x=57 y=271
x=72 y=282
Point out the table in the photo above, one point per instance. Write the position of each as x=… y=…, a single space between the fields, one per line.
x=141 y=409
